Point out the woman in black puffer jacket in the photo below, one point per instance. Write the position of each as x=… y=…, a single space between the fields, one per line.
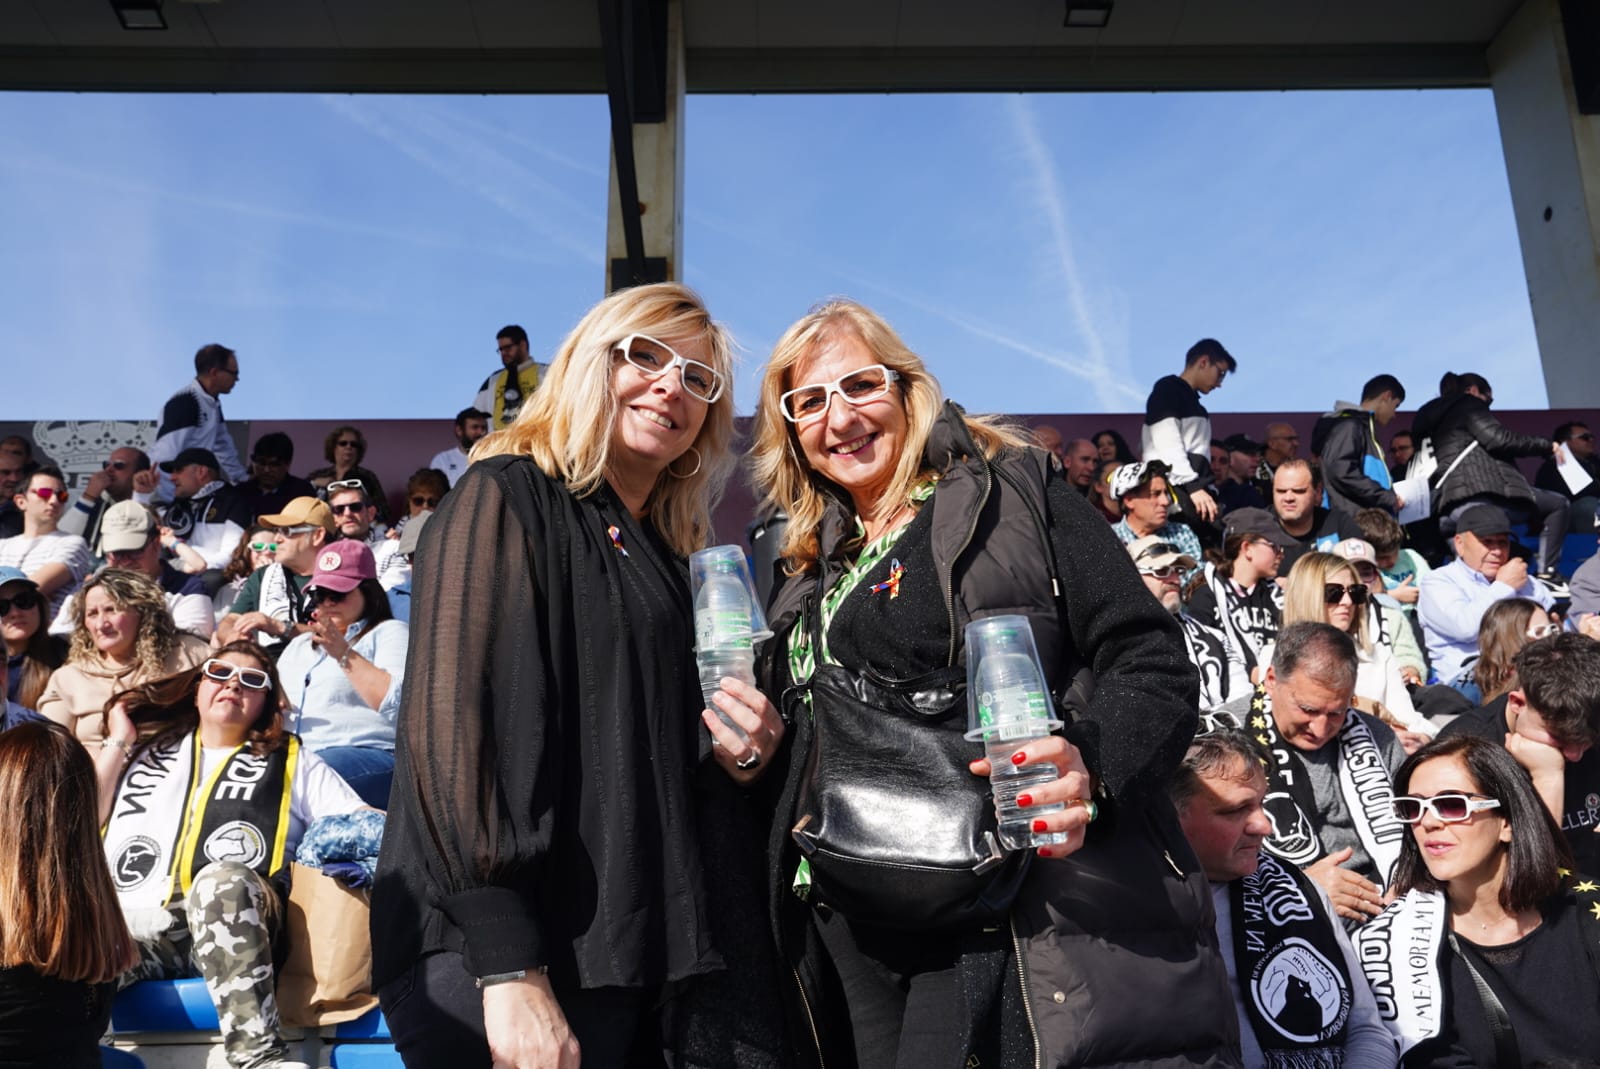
x=1476 y=455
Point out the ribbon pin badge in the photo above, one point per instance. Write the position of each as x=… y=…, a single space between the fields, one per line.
x=892 y=584
x=615 y=535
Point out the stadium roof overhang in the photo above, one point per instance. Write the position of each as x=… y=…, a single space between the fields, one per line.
x=744 y=46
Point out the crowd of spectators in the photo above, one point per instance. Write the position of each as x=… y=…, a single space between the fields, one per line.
x=1341 y=610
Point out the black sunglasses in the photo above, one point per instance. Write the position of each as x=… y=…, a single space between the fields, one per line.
x=425 y=502
x=324 y=596
x=22 y=599
x=348 y=506
x=1333 y=593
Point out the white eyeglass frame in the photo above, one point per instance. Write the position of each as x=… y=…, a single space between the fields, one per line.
x=890 y=377
x=1431 y=805
x=234 y=670
x=678 y=361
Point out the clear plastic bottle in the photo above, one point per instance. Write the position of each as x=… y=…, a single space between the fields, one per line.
x=1013 y=706
x=724 y=644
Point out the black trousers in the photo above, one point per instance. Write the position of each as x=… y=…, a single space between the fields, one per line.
x=435 y=1013
x=902 y=993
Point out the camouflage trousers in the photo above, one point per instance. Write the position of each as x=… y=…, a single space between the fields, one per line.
x=223 y=933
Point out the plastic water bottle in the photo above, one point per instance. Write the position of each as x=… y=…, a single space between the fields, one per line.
x=724 y=641
x=1009 y=705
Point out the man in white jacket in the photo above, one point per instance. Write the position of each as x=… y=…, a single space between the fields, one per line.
x=192 y=418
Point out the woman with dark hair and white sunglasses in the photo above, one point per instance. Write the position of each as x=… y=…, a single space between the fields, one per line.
x=1507 y=935
x=204 y=798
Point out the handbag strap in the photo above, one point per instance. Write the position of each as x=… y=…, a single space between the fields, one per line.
x=1506 y=1051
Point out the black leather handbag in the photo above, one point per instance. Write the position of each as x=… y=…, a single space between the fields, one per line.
x=897 y=830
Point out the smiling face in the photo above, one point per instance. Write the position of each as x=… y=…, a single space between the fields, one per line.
x=1474 y=849
x=228 y=708
x=657 y=420
x=1308 y=712
x=115 y=630
x=1225 y=823
x=856 y=446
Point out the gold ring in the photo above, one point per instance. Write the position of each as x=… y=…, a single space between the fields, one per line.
x=1088 y=804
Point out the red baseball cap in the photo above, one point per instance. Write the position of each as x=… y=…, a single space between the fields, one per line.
x=342 y=565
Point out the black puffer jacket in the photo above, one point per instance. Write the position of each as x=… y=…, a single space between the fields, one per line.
x=1108 y=943
x=1352 y=461
x=1454 y=423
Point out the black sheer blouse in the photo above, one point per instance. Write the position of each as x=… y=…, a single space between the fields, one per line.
x=542 y=809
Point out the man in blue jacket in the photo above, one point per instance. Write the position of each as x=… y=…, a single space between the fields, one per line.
x=1354 y=472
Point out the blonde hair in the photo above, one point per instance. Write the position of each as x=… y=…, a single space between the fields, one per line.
x=158 y=635
x=1303 y=601
x=778 y=463
x=58 y=909
x=566 y=426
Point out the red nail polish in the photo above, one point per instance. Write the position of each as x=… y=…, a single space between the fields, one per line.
x=1018 y=757
x=1024 y=799
x=1040 y=825
x=1044 y=851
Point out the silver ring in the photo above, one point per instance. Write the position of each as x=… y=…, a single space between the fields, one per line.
x=749 y=762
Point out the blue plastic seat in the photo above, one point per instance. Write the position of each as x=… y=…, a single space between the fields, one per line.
x=365 y=1056
x=370 y=1025
x=165 y=1006
x=111 y=1058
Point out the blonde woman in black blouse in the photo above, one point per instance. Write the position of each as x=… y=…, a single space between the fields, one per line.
x=545 y=878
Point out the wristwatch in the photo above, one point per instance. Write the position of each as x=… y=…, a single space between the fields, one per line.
x=508 y=977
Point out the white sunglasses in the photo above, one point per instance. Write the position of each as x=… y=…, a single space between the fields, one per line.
x=222 y=671
x=652 y=359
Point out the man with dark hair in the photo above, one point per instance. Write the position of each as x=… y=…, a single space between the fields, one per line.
x=54 y=561
x=16 y=445
x=125 y=475
x=1177 y=428
x=192 y=418
x=12 y=469
x=1579 y=441
x=356 y=519
x=1298 y=988
x=1453 y=599
x=1296 y=489
x=1354 y=474
x=1550 y=722
x=271 y=486
x=1236 y=485
x=1402 y=447
x=1476 y=464
x=1329 y=769
x=206 y=514
x=471 y=424
x=1145 y=497
x=503 y=392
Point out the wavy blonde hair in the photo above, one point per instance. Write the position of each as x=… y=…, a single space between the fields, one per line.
x=158 y=635
x=566 y=427
x=780 y=470
x=1303 y=601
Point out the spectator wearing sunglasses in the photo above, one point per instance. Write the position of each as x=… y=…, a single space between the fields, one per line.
x=1324 y=588
x=1550 y=722
x=1329 y=769
x=1454 y=598
x=122 y=636
x=1298 y=990
x=56 y=561
x=1579 y=440
x=1487 y=956
x=1386 y=620
x=131 y=536
x=272 y=607
x=32 y=653
x=355 y=518
x=271 y=487
x=1223 y=675
x=1146 y=500
x=125 y=475
x=192 y=419
x=343 y=677
x=216 y=909
x=255 y=550
x=471 y=425
x=503 y=393
x=345 y=448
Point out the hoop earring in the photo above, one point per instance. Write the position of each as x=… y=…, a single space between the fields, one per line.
x=687 y=474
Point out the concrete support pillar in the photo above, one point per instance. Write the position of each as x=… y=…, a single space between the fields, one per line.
x=1553 y=161
x=658 y=161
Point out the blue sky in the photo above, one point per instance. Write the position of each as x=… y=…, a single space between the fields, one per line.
x=1043 y=253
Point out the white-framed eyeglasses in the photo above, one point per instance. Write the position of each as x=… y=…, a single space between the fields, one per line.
x=1545 y=630
x=806 y=403
x=222 y=671
x=652 y=359
x=1452 y=807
